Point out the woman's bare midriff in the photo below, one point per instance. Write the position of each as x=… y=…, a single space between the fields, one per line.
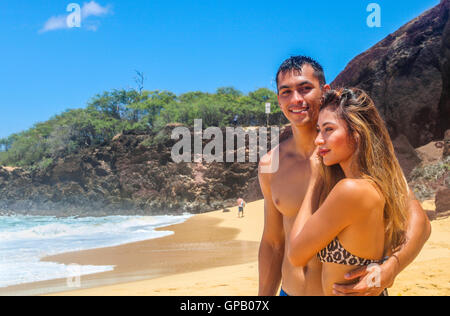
x=334 y=273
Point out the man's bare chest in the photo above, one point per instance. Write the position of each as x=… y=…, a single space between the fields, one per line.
x=289 y=186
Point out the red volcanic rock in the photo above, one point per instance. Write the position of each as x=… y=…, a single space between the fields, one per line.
x=408 y=76
x=446 y=144
x=132 y=174
x=443 y=200
x=406 y=155
x=431 y=152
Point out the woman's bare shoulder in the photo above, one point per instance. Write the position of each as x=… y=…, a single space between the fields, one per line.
x=360 y=194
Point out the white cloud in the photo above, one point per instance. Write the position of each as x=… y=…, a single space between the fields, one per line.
x=88 y=9
x=94 y=9
x=54 y=23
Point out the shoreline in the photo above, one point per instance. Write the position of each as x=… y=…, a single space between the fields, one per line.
x=204 y=241
x=216 y=254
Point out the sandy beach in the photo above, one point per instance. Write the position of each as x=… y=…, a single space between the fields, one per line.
x=205 y=242
x=216 y=254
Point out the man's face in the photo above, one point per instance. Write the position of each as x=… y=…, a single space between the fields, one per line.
x=299 y=96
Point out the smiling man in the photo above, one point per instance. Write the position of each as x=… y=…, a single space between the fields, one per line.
x=301 y=84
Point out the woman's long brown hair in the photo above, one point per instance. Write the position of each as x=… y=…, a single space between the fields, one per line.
x=374 y=158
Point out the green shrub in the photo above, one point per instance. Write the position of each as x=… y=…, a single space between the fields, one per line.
x=431 y=172
x=44 y=163
x=423 y=192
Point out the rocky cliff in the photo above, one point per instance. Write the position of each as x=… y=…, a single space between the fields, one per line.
x=132 y=174
x=408 y=76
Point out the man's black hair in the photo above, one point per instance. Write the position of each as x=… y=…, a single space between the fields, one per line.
x=297 y=62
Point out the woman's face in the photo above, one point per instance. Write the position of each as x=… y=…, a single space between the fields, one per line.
x=333 y=139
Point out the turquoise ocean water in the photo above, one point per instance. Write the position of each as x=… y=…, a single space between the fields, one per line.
x=26 y=239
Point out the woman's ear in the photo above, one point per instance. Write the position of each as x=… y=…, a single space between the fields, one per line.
x=356 y=138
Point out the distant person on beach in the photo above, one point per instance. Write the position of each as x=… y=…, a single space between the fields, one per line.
x=301 y=85
x=241 y=204
x=362 y=214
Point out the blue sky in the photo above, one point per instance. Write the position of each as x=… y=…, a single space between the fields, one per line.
x=180 y=46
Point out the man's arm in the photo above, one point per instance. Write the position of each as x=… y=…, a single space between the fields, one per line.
x=271 y=250
x=418 y=232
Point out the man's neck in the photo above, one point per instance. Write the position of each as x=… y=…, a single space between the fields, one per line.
x=304 y=138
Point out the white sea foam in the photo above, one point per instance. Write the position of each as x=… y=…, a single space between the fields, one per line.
x=24 y=240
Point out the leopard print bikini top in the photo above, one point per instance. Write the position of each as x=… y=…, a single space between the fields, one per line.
x=336 y=253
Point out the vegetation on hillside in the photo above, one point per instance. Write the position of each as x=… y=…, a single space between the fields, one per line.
x=116 y=111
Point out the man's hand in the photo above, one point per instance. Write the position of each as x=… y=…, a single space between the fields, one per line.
x=370 y=280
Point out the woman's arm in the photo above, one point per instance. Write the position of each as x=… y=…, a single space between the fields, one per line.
x=346 y=203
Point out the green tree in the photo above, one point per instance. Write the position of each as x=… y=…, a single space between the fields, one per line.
x=116 y=111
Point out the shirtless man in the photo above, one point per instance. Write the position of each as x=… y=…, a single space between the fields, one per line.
x=300 y=84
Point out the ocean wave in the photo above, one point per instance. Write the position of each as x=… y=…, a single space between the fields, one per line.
x=90 y=226
x=24 y=240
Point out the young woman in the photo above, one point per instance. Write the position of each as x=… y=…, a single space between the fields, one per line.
x=362 y=212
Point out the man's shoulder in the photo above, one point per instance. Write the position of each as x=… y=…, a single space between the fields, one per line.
x=280 y=150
